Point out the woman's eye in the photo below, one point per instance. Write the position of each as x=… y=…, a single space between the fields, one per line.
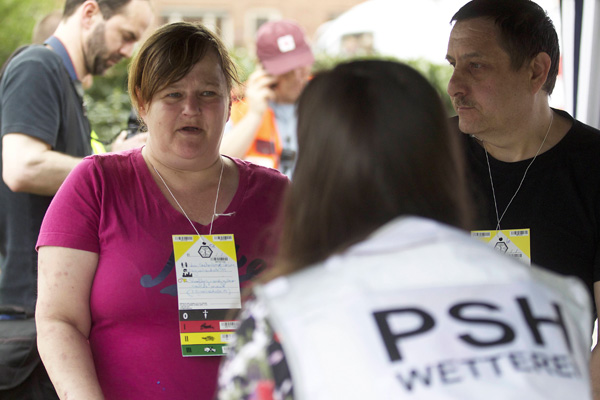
x=208 y=93
x=174 y=95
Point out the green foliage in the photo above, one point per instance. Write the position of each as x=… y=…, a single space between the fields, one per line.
x=109 y=105
x=245 y=62
x=437 y=74
x=107 y=99
x=108 y=102
x=17 y=19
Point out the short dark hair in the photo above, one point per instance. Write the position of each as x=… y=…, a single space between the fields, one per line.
x=373 y=144
x=525 y=31
x=169 y=54
x=108 y=8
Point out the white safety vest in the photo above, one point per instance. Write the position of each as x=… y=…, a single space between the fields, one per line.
x=420 y=310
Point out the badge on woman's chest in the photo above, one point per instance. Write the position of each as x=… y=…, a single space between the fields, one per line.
x=208 y=290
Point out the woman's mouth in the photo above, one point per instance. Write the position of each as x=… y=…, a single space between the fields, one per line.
x=190 y=129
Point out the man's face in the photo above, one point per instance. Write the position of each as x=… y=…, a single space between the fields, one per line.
x=488 y=95
x=290 y=85
x=113 y=39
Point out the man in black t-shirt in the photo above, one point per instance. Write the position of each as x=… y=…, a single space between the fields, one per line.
x=45 y=133
x=533 y=169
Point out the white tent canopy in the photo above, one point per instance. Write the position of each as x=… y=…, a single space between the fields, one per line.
x=409 y=29
x=405 y=29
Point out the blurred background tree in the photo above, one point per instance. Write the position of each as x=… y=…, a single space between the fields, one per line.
x=109 y=107
x=107 y=99
x=437 y=74
x=17 y=19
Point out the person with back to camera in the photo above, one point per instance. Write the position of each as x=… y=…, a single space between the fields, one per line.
x=45 y=133
x=378 y=292
x=532 y=167
x=107 y=309
x=262 y=128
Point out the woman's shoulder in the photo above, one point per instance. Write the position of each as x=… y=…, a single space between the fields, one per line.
x=253 y=172
x=110 y=159
x=117 y=165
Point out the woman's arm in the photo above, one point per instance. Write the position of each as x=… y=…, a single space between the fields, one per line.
x=63 y=320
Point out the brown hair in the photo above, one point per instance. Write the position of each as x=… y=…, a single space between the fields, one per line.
x=108 y=8
x=169 y=54
x=374 y=144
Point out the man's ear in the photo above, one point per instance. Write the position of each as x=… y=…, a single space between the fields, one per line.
x=89 y=10
x=539 y=68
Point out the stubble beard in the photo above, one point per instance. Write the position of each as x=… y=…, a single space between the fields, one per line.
x=97 y=56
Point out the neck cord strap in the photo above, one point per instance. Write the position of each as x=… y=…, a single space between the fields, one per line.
x=216 y=198
x=181 y=208
x=499 y=218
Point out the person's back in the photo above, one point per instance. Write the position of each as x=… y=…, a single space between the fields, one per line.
x=413 y=312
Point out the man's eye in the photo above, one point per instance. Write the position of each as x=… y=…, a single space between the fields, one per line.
x=475 y=65
x=175 y=95
x=208 y=93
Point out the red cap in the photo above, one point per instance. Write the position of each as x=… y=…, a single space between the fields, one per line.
x=281 y=47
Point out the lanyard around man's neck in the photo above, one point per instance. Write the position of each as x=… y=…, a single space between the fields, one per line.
x=60 y=49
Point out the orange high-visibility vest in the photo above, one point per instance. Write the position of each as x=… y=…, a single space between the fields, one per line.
x=266 y=148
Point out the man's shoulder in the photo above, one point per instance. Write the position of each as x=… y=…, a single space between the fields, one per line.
x=583 y=130
x=34 y=57
x=576 y=125
x=37 y=52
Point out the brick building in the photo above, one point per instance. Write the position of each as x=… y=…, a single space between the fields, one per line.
x=238 y=20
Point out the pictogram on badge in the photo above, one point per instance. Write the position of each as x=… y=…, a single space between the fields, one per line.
x=205 y=251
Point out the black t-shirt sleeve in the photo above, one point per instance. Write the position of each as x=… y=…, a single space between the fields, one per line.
x=32 y=96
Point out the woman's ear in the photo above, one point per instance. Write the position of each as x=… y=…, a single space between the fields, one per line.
x=141 y=106
x=229 y=110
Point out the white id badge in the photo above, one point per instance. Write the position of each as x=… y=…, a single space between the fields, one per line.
x=208 y=292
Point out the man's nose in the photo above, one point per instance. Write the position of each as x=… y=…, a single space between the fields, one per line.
x=127 y=49
x=456 y=85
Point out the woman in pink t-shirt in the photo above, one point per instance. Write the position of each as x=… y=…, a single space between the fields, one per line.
x=108 y=312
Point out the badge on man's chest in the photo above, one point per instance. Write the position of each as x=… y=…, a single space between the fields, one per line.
x=208 y=289
x=512 y=242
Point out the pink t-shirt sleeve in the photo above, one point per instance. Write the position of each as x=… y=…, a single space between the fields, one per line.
x=72 y=219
